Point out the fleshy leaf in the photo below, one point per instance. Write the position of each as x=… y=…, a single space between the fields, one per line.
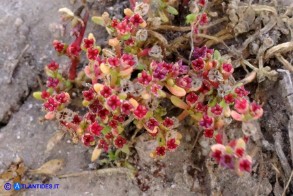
x=172 y=10
x=178 y=102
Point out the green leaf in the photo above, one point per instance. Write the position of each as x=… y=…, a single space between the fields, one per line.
x=163 y=17
x=98 y=20
x=37 y=95
x=178 y=102
x=140 y=67
x=126 y=37
x=112 y=156
x=190 y=18
x=106 y=130
x=172 y=10
x=125 y=149
x=217 y=55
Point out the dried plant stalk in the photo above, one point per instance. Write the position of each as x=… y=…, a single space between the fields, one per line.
x=290 y=132
x=285 y=63
x=281 y=48
x=283 y=160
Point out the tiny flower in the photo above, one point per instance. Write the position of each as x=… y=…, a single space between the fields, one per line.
x=95 y=106
x=88 y=43
x=239 y=152
x=217 y=151
x=141 y=8
x=102 y=144
x=255 y=110
x=136 y=19
x=119 y=118
x=155 y=89
x=203 y=19
x=191 y=98
x=103 y=114
x=200 y=52
x=219 y=138
x=140 y=111
x=156 y=52
x=217 y=110
x=113 y=102
x=113 y=124
x=51 y=104
x=171 y=144
x=53 y=66
x=90 y=117
x=144 y=78
x=227 y=161
x=209 y=133
x=126 y=108
x=185 y=82
x=73 y=50
x=241 y=105
x=89 y=94
x=96 y=129
x=62 y=97
x=245 y=164
x=76 y=119
x=109 y=136
x=168 y=122
x=113 y=61
x=52 y=82
x=206 y=122
x=87 y=139
x=141 y=35
x=119 y=142
x=128 y=60
x=59 y=46
x=215 y=76
x=92 y=53
x=241 y=92
x=229 y=99
x=106 y=91
x=45 y=95
x=200 y=107
x=198 y=64
x=201 y=2
x=161 y=150
x=123 y=27
x=152 y=123
x=227 y=69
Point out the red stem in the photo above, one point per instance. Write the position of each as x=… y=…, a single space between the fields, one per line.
x=77 y=43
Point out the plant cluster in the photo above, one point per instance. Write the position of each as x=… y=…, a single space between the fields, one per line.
x=127 y=83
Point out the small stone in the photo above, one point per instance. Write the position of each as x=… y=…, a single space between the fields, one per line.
x=18 y=22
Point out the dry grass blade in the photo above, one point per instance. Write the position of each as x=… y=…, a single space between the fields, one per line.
x=57 y=137
x=107 y=171
x=290 y=132
x=249 y=78
x=282 y=157
x=171 y=28
x=159 y=36
x=261 y=8
x=221 y=39
x=215 y=22
x=49 y=168
x=281 y=48
x=285 y=63
x=287 y=185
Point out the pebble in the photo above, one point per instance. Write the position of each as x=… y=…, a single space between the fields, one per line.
x=18 y=22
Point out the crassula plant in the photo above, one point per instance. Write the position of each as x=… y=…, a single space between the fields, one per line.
x=126 y=83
